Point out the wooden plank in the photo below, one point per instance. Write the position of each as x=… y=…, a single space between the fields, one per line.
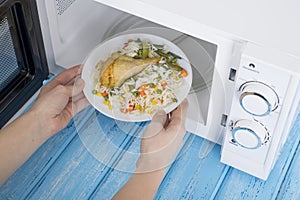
x=191 y=177
x=289 y=189
x=73 y=172
x=26 y=175
x=77 y=168
x=116 y=177
x=186 y=177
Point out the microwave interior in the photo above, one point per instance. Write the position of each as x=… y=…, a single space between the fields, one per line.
x=95 y=22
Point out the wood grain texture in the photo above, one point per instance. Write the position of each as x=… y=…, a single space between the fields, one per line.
x=77 y=172
x=190 y=177
x=26 y=175
x=289 y=188
x=94 y=157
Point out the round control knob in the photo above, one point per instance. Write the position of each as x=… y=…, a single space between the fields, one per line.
x=257 y=98
x=249 y=134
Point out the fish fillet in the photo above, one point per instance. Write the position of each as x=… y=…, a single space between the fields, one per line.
x=122 y=68
x=103 y=65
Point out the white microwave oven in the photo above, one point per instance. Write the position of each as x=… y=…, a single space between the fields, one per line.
x=246 y=75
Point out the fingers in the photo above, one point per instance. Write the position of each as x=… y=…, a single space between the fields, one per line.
x=71 y=90
x=157 y=124
x=79 y=105
x=67 y=75
x=70 y=100
x=178 y=117
x=77 y=87
x=72 y=108
x=65 y=78
x=78 y=97
x=159 y=151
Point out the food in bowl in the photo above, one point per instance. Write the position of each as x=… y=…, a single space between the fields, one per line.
x=140 y=77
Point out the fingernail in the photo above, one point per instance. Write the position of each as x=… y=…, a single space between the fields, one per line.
x=79 y=83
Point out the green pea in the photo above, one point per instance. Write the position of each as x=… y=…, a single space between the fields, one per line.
x=135 y=93
x=152 y=85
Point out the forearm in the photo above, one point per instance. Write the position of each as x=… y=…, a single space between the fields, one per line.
x=58 y=101
x=18 y=141
x=159 y=146
x=145 y=181
x=141 y=186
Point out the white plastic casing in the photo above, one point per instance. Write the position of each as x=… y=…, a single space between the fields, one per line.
x=252 y=136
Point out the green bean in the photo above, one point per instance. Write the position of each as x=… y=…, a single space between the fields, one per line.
x=174 y=66
x=145 y=50
x=162 y=54
x=174 y=55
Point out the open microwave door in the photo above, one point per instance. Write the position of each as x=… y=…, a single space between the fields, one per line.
x=22 y=57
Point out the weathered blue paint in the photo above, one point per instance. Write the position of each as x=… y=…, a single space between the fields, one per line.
x=63 y=168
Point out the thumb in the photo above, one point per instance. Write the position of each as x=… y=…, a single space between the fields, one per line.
x=78 y=86
x=157 y=124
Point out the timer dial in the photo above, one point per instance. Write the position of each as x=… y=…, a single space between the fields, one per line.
x=257 y=98
x=249 y=134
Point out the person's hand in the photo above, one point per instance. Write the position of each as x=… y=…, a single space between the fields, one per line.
x=162 y=139
x=59 y=100
x=160 y=143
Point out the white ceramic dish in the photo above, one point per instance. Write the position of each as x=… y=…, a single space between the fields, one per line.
x=104 y=50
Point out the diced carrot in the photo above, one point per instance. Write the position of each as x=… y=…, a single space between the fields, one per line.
x=184 y=73
x=144 y=86
x=104 y=94
x=142 y=93
x=131 y=108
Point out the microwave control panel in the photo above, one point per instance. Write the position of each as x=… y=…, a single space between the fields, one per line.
x=259 y=92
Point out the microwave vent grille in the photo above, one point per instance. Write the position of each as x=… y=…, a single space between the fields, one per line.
x=8 y=60
x=63 y=5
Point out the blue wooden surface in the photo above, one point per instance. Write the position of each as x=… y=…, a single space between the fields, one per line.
x=65 y=167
